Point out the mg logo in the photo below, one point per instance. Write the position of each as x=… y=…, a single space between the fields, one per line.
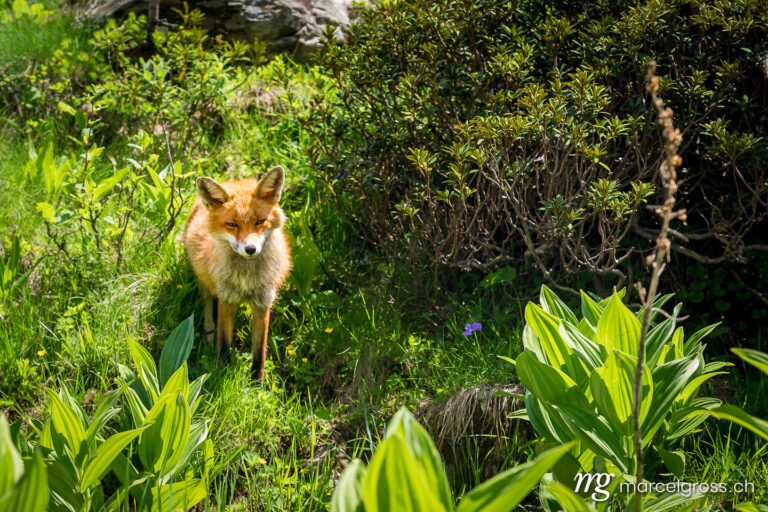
x=595 y=482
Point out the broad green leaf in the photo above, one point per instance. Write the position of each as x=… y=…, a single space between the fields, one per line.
x=348 y=495
x=594 y=431
x=151 y=442
x=11 y=465
x=176 y=349
x=674 y=502
x=738 y=416
x=66 y=422
x=177 y=383
x=178 y=496
x=198 y=433
x=569 y=464
x=547 y=421
x=618 y=328
x=669 y=380
x=506 y=490
x=714 y=366
x=692 y=388
x=175 y=430
x=658 y=337
x=564 y=497
x=137 y=409
x=685 y=420
x=612 y=388
x=547 y=383
x=105 y=455
x=395 y=481
x=124 y=470
x=583 y=346
x=587 y=329
x=751 y=507
x=698 y=336
x=30 y=494
x=757 y=359
x=162 y=443
x=590 y=310
x=532 y=344
x=424 y=453
x=554 y=306
x=62 y=482
x=104 y=411
x=140 y=356
x=149 y=380
x=128 y=376
x=107 y=184
x=193 y=396
x=673 y=459
x=657 y=305
x=620 y=293
x=545 y=326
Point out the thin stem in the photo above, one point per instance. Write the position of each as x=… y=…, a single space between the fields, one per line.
x=668 y=175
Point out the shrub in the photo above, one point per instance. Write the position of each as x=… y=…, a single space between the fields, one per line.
x=579 y=372
x=478 y=134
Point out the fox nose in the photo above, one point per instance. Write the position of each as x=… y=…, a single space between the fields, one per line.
x=250 y=249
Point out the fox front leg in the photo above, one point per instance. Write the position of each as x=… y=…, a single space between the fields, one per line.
x=259 y=332
x=226 y=326
x=208 y=325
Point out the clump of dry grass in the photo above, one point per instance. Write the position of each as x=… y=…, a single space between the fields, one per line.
x=477 y=413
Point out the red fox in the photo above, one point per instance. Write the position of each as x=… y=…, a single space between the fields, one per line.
x=239 y=252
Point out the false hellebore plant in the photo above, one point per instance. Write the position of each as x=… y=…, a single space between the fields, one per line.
x=578 y=373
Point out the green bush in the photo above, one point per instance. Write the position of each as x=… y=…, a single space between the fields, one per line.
x=478 y=134
x=579 y=372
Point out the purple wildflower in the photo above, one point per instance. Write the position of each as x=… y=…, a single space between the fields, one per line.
x=470 y=329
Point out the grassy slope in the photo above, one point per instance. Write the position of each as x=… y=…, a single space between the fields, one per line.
x=334 y=374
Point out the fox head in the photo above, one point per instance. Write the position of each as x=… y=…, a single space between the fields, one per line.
x=244 y=213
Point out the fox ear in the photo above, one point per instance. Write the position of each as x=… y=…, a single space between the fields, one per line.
x=211 y=193
x=271 y=185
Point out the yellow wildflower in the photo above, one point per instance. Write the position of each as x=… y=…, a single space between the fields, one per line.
x=41 y=353
x=329 y=329
x=262 y=461
x=303 y=359
x=291 y=352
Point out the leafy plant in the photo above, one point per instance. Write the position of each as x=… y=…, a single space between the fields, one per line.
x=23 y=482
x=578 y=373
x=406 y=474
x=75 y=453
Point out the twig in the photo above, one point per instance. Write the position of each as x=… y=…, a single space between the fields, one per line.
x=672 y=141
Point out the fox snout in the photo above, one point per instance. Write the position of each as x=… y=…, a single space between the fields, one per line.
x=251 y=245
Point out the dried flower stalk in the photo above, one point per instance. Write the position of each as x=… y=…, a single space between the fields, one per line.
x=668 y=176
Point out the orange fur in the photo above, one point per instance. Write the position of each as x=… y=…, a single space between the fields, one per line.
x=239 y=252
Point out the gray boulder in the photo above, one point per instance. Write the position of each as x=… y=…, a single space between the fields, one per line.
x=286 y=26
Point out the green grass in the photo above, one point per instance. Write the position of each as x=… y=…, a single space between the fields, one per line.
x=335 y=373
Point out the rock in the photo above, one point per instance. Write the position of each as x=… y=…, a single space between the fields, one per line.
x=286 y=26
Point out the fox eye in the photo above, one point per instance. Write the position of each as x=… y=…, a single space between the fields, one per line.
x=260 y=221
x=232 y=224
